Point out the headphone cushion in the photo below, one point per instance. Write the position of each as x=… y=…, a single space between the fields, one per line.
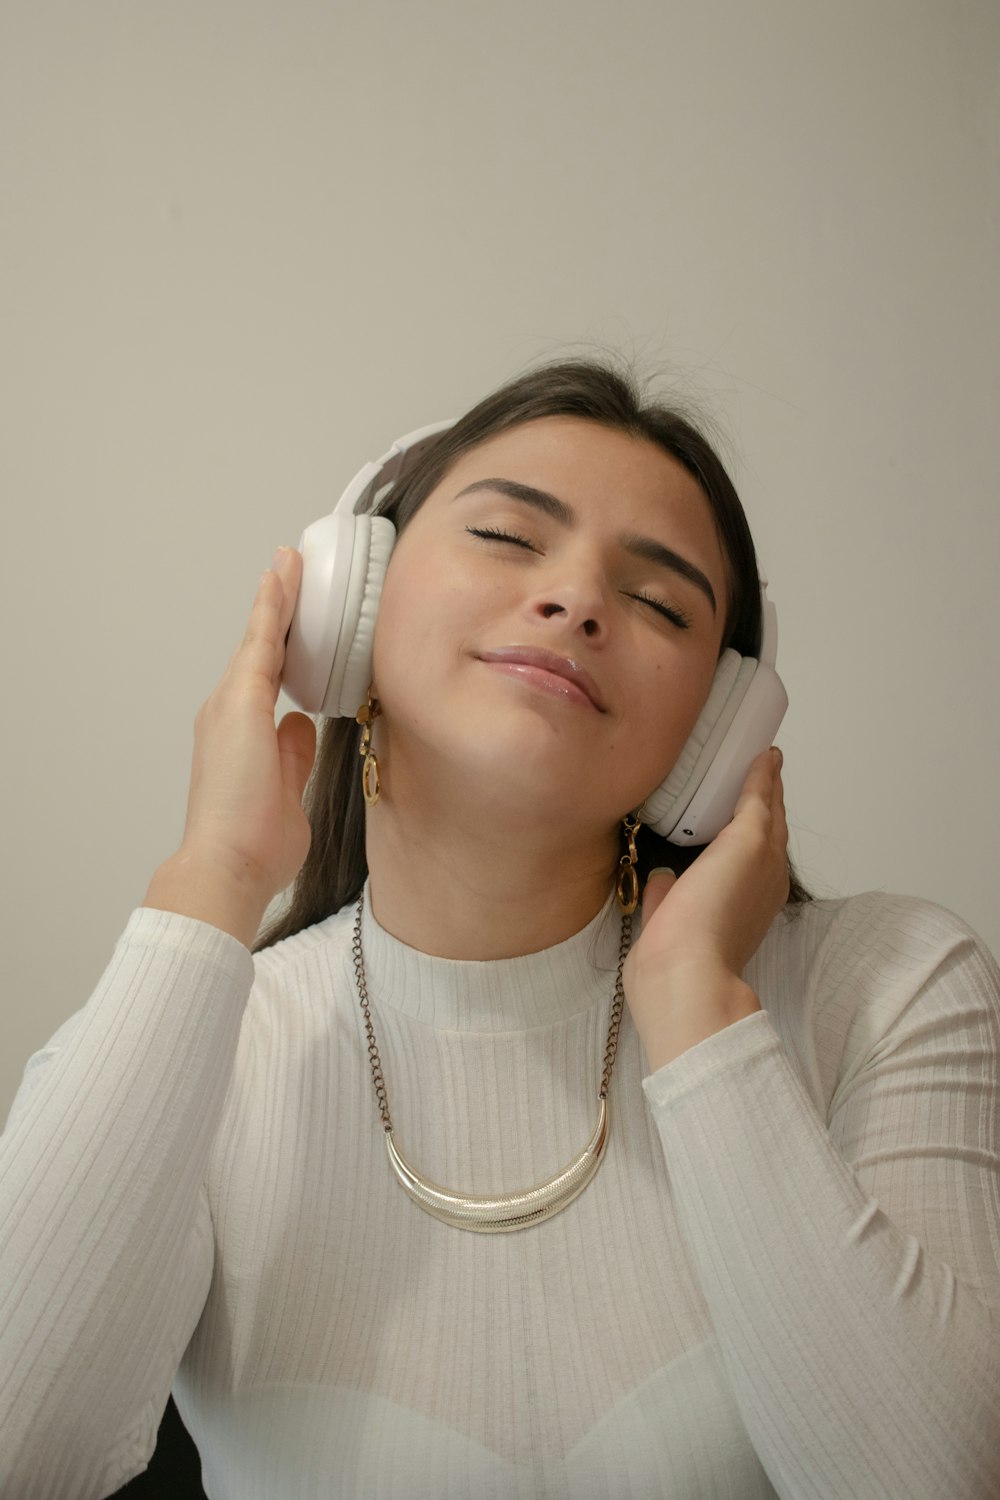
x=733 y=675
x=352 y=669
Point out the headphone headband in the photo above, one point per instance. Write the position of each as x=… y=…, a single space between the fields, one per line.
x=366 y=488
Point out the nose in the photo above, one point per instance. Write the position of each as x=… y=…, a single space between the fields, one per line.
x=577 y=603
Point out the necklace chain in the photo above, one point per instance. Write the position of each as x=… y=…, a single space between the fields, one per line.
x=506 y=1212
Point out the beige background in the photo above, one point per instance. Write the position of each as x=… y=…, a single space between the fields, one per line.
x=244 y=245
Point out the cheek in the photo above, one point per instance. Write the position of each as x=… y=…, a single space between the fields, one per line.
x=674 y=702
x=414 y=623
x=397 y=624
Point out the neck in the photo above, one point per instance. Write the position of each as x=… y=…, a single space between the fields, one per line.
x=485 y=885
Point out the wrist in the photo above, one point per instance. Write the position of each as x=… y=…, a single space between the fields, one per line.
x=212 y=890
x=694 y=1001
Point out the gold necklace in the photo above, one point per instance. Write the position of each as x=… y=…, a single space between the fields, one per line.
x=504 y=1212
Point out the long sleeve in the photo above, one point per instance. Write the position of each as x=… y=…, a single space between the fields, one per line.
x=848 y=1247
x=105 y=1234
x=783 y=1279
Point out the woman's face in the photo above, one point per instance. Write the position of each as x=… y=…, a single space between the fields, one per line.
x=551 y=621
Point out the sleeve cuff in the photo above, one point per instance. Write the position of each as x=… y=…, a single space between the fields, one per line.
x=750 y=1037
x=169 y=930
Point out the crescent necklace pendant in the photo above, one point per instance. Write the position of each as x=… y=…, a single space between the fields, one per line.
x=504 y=1213
x=498 y=1213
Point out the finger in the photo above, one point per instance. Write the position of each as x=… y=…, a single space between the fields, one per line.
x=779 y=828
x=256 y=650
x=263 y=614
x=296 y=751
x=779 y=820
x=659 y=884
x=758 y=788
x=778 y=816
x=288 y=566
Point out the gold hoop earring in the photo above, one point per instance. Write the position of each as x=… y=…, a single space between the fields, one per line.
x=370 y=783
x=628 y=880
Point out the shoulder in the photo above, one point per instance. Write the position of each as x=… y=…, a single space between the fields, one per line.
x=298 y=1022
x=853 y=978
x=872 y=932
x=309 y=971
x=309 y=945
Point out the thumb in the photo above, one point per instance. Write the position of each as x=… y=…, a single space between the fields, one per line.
x=296 y=751
x=659 y=883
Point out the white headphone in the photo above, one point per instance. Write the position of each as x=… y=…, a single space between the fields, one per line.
x=328 y=657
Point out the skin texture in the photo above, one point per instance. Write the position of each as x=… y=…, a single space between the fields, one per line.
x=502 y=787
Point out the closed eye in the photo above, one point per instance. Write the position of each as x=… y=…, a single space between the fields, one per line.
x=676 y=616
x=495 y=534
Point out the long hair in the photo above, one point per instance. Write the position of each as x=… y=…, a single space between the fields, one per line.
x=336 y=866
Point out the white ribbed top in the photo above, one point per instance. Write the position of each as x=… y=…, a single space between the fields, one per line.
x=784 y=1279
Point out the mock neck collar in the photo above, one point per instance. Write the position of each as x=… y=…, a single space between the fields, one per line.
x=495 y=995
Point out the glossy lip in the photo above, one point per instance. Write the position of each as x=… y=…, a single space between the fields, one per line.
x=548 y=661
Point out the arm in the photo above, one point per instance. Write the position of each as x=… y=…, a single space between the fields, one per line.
x=852 y=1265
x=105 y=1234
x=105 y=1238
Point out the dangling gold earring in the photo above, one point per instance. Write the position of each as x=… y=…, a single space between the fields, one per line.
x=628 y=880
x=370 y=784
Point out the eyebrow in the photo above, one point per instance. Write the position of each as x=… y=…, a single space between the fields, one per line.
x=639 y=546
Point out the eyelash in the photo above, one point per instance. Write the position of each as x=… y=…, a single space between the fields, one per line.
x=495 y=534
x=675 y=616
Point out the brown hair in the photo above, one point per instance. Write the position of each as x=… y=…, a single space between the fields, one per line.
x=336 y=866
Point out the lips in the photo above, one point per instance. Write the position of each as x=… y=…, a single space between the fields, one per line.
x=548 y=661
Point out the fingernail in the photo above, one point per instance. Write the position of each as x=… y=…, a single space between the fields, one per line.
x=776 y=756
x=279 y=556
x=660 y=870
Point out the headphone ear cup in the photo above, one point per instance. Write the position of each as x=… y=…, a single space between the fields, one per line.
x=351 y=676
x=740 y=719
x=754 y=725
x=328 y=653
x=661 y=808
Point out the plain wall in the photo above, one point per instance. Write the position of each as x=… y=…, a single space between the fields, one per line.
x=245 y=245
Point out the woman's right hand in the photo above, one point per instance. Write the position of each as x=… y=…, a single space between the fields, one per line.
x=245 y=835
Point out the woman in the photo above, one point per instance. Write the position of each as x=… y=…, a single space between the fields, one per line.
x=776 y=1271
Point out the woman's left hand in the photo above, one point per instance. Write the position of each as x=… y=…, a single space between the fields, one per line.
x=682 y=976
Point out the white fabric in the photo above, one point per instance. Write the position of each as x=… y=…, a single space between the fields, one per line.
x=783 y=1280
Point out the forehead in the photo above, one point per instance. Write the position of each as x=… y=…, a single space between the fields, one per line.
x=599 y=472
